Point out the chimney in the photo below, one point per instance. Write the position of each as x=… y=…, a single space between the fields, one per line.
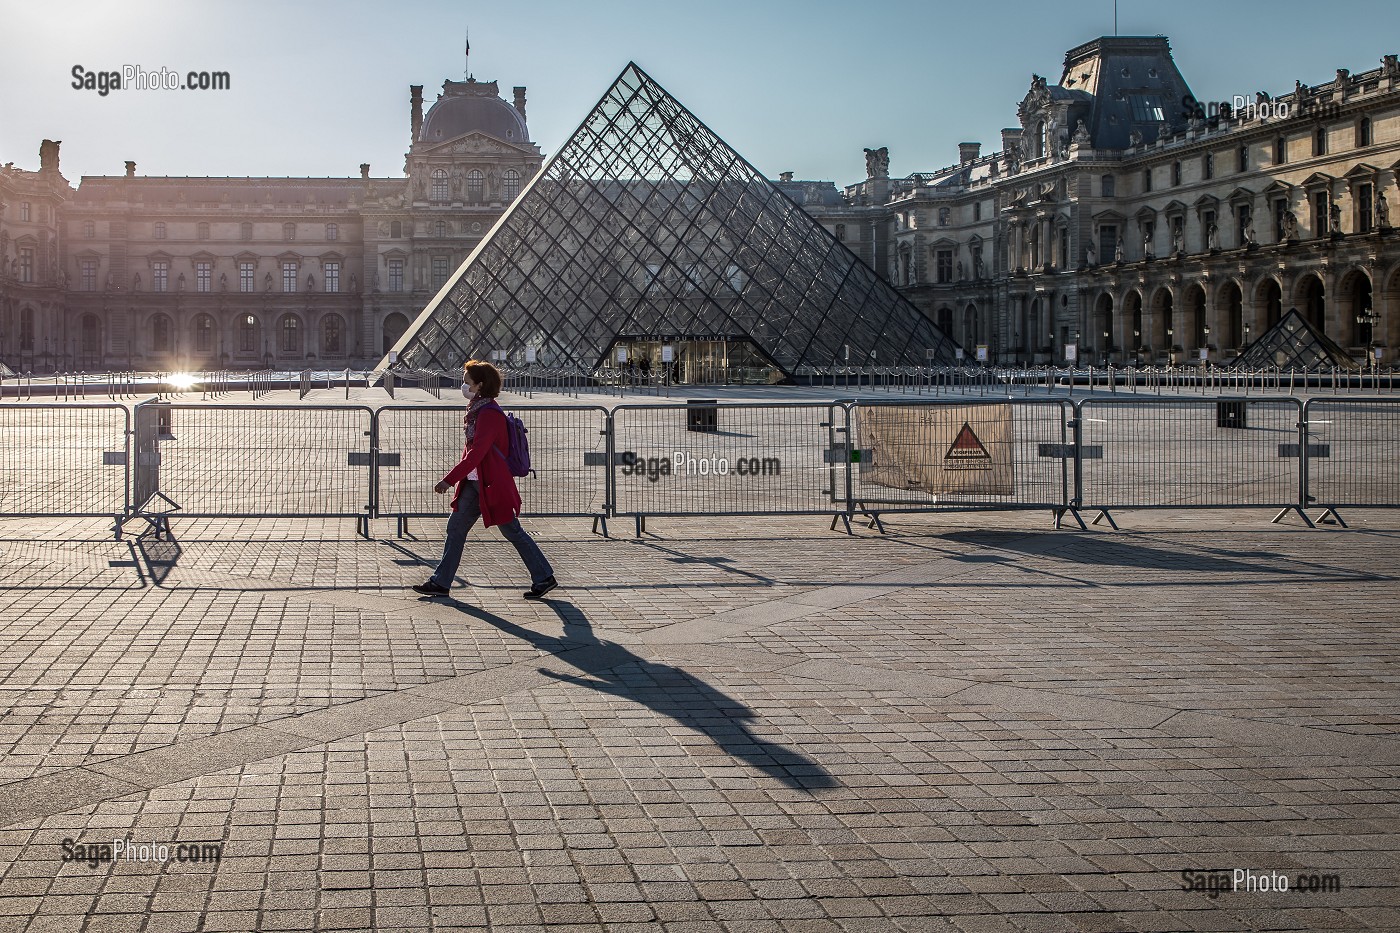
x=415 y=96
x=1011 y=139
x=520 y=101
x=130 y=169
x=968 y=152
x=785 y=176
x=364 y=170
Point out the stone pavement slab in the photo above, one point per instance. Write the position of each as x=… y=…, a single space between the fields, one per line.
x=969 y=723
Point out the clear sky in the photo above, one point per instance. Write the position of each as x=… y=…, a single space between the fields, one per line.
x=318 y=87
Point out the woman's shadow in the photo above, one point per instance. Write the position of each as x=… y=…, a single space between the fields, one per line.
x=670 y=691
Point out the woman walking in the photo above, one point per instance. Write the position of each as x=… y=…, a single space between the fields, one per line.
x=485 y=488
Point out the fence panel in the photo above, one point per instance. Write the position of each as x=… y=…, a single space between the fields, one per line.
x=265 y=460
x=728 y=459
x=63 y=459
x=1145 y=453
x=568 y=445
x=1354 y=452
x=922 y=455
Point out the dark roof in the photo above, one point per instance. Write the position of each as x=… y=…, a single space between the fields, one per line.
x=472 y=107
x=1126 y=82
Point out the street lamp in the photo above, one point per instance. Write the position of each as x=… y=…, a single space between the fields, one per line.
x=1205 y=348
x=1171 y=349
x=1107 y=345
x=1368 y=319
x=1246 y=336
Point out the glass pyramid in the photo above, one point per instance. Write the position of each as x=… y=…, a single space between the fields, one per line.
x=645 y=225
x=1293 y=343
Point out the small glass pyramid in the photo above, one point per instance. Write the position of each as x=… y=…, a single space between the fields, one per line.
x=645 y=227
x=1293 y=343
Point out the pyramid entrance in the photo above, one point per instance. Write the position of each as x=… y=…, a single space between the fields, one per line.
x=645 y=230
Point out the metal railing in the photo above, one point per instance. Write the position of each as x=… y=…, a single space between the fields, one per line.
x=704 y=458
x=64 y=459
x=1099 y=454
x=415 y=446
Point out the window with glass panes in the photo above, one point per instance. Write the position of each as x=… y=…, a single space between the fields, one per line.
x=439 y=271
x=332 y=276
x=26 y=264
x=944 y=266
x=160 y=276
x=395 y=275
x=439 y=184
x=88 y=268
x=510 y=184
x=203 y=273
x=24 y=211
x=289 y=276
x=247 y=334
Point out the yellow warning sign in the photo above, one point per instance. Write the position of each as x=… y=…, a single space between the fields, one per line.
x=946 y=450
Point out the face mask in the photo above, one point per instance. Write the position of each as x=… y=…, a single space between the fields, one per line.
x=466 y=391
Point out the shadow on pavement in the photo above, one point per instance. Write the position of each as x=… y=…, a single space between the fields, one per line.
x=1107 y=550
x=664 y=689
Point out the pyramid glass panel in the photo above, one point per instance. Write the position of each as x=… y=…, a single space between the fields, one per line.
x=1293 y=343
x=646 y=227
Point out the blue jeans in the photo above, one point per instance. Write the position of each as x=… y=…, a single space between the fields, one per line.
x=461 y=522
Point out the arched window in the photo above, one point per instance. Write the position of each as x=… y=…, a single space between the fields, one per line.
x=332 y=232
x=202 y=231
x=1106 y=186
x=247 y=334
x=1242 y=163
x=332 y=335
x=1320 y=141
x=510 y=184
x=395 y=230
x=1280 y=150
x=90 y=339
x=204 y=334
x=1363 y=132
x=160 y=334
x=1040 y=146
x=26 y=329
x=442 y=228
x=160 y=231
x=289 y=232
x=439 y=184
x=1176 y=173
x=841 y=232
x=1209 y=167
x=245 y=231
x=290 y=328
x=474 y=183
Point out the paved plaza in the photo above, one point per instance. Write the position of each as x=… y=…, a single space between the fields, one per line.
x=971 y=723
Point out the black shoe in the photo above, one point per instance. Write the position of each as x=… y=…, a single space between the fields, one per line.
x=539 y=589
x=430 y=589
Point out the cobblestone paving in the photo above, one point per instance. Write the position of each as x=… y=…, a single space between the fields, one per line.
x=966 y=724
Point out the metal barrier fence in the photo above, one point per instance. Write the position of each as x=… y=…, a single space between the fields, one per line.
x=1352 y=454
x=416 y=446
x=841 y=458
x=1149 y=453
x=704 y=458
x=946 y=455
x=64 y=459
x=243 y=461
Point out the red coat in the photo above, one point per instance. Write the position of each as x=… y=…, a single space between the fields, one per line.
x=500 y=500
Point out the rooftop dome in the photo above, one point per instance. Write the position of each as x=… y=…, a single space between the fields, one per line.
x=472 y=107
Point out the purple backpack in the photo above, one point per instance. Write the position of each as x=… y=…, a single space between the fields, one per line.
x=518 y=461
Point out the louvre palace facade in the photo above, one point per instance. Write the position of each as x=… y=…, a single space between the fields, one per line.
x=1119 y=216
x=1125 y=217
x=156 y=273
